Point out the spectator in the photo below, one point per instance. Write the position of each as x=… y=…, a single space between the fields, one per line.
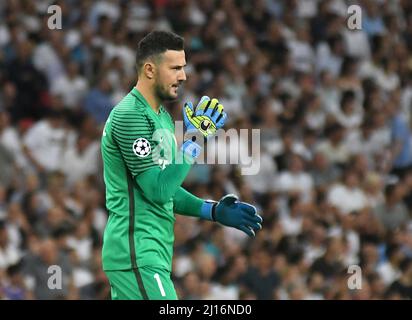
x=369 y=259
x=348 y=196
x=301 y=51
x=10 y=139
x=393 y=212
x=330 y=264
x=10 y=254
x=98 y=102
x=372 y=22
x=286 y=149
x=48 y=56
x=373 y=185
x=261 y=279
x=329 y=55
x=349 y=115
x=364 y=140
x=401 y=141
x=28 y=81
x=322 y=171
x=16 y=289
x=377 y=286
x=45 y=142
x=387 y=78
x=71 y=86
x=79 y=161
x=295 y=180
x=191 y=286
x=55 y=219
x=404 y=284
x=292 y=221
x=7 y=165
x=315 y=116
x=316 y=286
x=334 y=147
x=389 y=269
x=36 y=267
x=315 y=246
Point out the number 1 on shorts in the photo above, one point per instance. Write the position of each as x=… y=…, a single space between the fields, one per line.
x=159 y=283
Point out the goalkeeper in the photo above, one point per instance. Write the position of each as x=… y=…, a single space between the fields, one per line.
x=143 y=186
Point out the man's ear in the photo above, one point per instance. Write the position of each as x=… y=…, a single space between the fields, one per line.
x=149 y=69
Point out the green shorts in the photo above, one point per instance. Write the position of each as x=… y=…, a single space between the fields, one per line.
x=146 y=283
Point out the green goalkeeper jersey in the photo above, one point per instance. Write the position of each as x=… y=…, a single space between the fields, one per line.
x=143 y=186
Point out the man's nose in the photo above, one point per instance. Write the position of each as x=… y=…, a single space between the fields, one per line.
x=182 y=76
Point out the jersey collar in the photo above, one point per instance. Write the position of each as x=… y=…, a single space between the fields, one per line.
x=142 y=99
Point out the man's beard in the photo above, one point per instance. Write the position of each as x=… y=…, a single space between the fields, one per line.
x=163 y=94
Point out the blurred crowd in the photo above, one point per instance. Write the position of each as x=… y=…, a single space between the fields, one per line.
x=333 y=106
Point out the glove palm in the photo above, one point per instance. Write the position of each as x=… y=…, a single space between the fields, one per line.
x=206 y=118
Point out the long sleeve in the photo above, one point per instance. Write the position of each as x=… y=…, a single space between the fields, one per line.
x=160 y=185
x=187 y=204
